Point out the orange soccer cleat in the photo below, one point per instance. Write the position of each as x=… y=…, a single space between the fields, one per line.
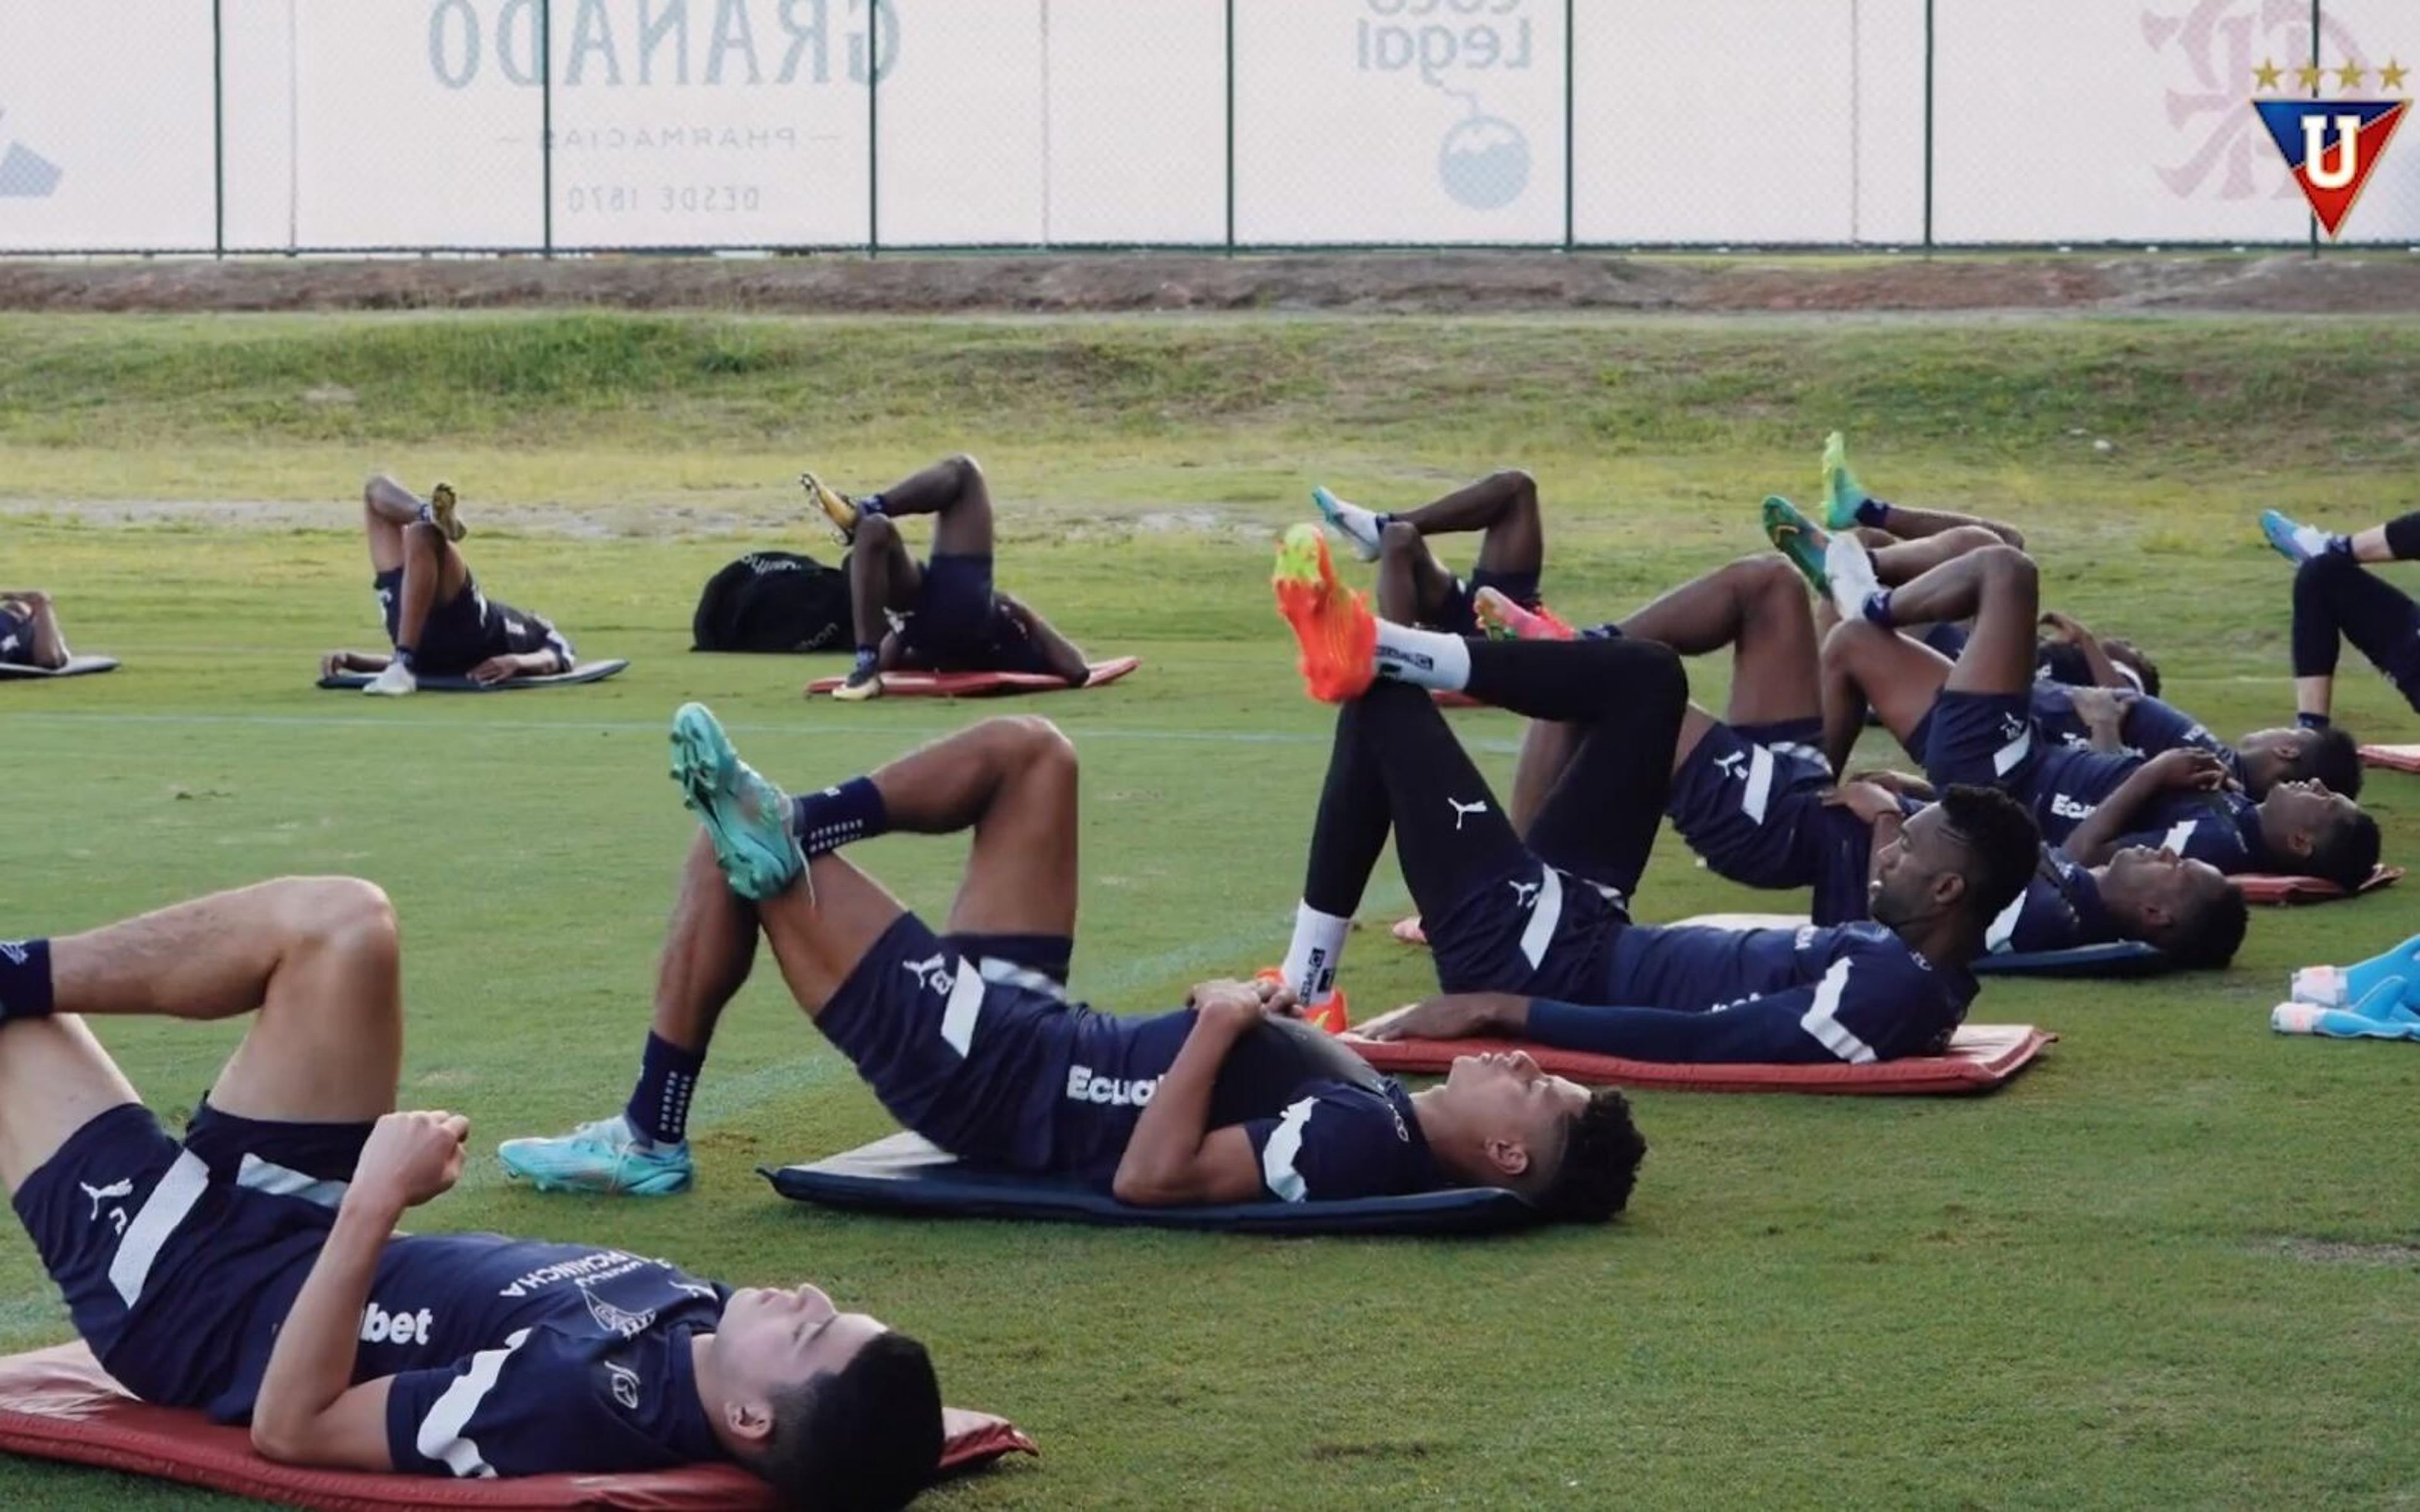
x=1338 y=633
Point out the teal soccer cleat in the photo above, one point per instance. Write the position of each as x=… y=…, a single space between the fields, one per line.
x=1796 y=537
x=2297 y=543
x=605 y=1158
x=1842 y=493
x=746 y=817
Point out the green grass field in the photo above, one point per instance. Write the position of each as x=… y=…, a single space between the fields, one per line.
x=2174 y=1265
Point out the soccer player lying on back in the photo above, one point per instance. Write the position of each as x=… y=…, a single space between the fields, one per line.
x=253 y=1270
x=1535 y=940
x=1414 y=587
x=1973 y=721
x=440 y=623
x=1757 y=802
x=942 y=614
x=2336 y=601
x=968 y=1037
x=30 y=629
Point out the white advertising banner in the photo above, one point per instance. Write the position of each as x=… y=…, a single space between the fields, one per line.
x=105 y=136
x=1399 y=120
x=423 y=124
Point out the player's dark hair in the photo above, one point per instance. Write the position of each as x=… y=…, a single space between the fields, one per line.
x=2334 y=759
x=2344 y=851
x=2003 y=842
x=859 y=1439
x=1600 y=1165
x=2208 y=929
x=2131 y=655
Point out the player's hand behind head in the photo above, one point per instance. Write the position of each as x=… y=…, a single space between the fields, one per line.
x=2190 y=769
x=411 y=1157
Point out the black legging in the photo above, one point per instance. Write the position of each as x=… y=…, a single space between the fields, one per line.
x=2337 y=599
x=1397 y=766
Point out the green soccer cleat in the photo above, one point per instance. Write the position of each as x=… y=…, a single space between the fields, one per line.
x=747 y=816
x=1842 y=492
x=1799 y=539
x=605 y=1158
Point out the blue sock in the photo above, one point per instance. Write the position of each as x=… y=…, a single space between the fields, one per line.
x=2311 y=721
x=1878 y=609
x=2339 y=546
x=404 y=655
x=866 y=658
x=25 y=979
x=1873 y=512
x=870 y=504
x=659 y=1109
x=837 y=816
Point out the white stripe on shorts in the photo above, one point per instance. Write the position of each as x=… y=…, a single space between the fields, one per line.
x=1759 y=792
x=966 y=1004
x=1544 y=917
x=138 y=1248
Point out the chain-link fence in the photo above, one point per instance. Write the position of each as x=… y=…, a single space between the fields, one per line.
x=563 y=126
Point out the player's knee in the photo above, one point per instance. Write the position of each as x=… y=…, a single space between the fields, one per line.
x=1397 y=539
x=423 y=536
x=350 y=911
x=1975 y=538
x=2323 y=576
x=1765 y=574
x=1523 y=486
x=1041 y=742
x=877 y=532
x=2009 y=572
x=1848 y=645
x=376 y=484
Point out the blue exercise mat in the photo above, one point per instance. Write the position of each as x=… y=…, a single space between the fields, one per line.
x=2119 y=958
x=905 y=1173
x=587 y=671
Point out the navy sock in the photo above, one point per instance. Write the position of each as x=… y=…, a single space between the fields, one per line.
x=2338 y=546
x=2311 y=721
x=1878 y=609
x=25 y=979
x=659 y=1109
x=1875 y=513
x=837 y=816
x=870 y=504
x=404 y=655
x=866 y=656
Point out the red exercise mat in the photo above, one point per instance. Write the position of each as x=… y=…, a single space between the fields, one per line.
x=1980 y=1058
x=2260 y=887
x=983 y=685
x=2394 y=758
x=59 y=1404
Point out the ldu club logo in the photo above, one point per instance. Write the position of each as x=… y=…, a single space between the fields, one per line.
x=2331 y=146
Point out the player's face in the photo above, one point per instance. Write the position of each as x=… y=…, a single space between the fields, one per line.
x=1505 y=1097
x=2308 y=806
x=2141 y=879
x=1909 y=872
x=769 y=1340
x=2273 y=756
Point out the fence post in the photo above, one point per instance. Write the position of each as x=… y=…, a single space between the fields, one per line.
x=873 y=130
x=1928 y=125
x=546 y=116
x=2311 y=221
x=1571 y=130
x=1231 y=128
x=218 y=130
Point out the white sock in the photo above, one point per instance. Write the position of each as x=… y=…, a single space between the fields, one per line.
x=1310 y=960
x=1424 y=659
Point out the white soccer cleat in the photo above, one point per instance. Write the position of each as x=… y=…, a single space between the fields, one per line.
x=394 y=682
x=1358 y=526
x=2321 y=986
x=1852 y=576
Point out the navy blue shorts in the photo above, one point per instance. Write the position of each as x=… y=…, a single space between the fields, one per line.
x=1459 y=615
x=178 y=1261
x=1531 y=929
x=1747 y=799
x=1982 y=740
x=967 y=1048
x=960 y=624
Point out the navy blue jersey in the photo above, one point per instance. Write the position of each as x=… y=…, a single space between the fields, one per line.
x=179 y=1261
x=999 y=1071
x=2223 y=828
x=16 y=638
x=2066 y=785
x=1322 y=1124
x=2059 y=910
x=513 y=1356
x=2151 y=727
x=1854 y=993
